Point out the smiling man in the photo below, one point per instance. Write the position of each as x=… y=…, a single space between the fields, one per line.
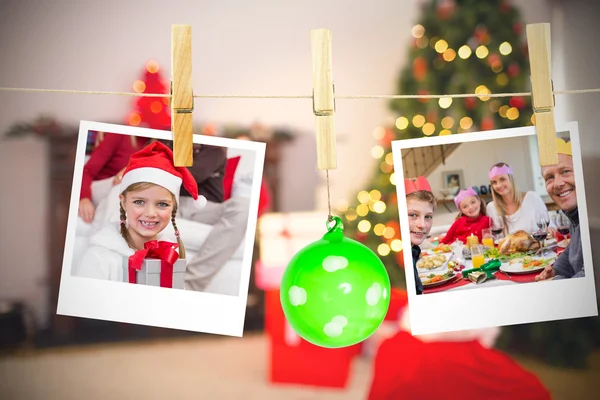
x=560 y=184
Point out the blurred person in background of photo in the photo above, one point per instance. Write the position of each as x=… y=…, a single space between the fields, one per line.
x=102 y=174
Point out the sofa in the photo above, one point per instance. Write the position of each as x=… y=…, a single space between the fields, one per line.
x=193 y=234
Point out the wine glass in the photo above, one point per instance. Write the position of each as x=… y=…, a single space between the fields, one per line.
x=497 y=228
x=563 y=225
x=540 y=230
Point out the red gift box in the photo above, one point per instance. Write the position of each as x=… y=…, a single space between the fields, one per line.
x=296 y=361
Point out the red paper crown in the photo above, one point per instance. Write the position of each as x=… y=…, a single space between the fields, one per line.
x=415 y=185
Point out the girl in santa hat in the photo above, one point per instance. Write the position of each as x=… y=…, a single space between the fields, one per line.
x=149 y=197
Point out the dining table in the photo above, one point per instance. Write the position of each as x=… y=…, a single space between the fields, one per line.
x=498 y=278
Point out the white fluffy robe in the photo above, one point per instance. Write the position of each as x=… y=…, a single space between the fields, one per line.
x=104 y=258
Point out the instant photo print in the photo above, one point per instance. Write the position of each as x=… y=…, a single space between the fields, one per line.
x=149 y=287
x=507 y=268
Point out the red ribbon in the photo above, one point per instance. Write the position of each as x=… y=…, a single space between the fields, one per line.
x=164 y=251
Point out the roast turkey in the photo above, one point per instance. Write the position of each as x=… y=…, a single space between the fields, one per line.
x=518 y=242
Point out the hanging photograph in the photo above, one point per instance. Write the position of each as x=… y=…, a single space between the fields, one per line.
x=525 y=241
x=153 y=244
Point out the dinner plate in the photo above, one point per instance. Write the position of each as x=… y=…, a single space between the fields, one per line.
x=441 y=268
x=442 y=282
x=563 y=243
x=517 y=268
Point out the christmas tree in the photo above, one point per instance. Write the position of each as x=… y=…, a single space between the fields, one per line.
x=151 y=112
x=460 y=46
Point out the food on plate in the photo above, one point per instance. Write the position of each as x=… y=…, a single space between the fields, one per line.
x=433 y=278
x=518 y=242
x=442 y=248
x=431 y=262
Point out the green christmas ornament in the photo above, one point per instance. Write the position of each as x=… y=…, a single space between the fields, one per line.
x=335 y=292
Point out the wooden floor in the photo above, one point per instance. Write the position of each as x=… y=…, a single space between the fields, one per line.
x=204 y=368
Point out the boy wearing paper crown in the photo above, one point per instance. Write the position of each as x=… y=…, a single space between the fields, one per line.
x=420 y=203
x=148 y=202
x=471 y=218
x=560 y=185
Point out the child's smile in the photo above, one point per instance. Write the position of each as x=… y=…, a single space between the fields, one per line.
x=148 y=212
x=470 y=206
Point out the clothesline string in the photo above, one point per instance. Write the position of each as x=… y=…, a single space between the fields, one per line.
x=350 y=97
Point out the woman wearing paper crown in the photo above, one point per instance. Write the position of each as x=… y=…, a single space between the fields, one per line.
x=471 y=218
x=518 y=211
x=148 y=202
x=420 y=203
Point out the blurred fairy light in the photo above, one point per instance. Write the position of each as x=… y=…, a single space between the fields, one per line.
x=402 y=123
x=389 y=158
x=445 y=132
x=389 y=232
x=482 y=52
x=494 y=105
x=379 y=207
x=512 y=113
x=362 y=210
x=383 y=249
x=449 y=55
x=418 y=120
x=342 y=206
x=152 y=66
x=379 y=133
x=502 y=79
x=139 y=86
x=422 y=42
x=505 y=48
x=464 y=52
x=375 y=195
x=363 y=196
x=441 y=46
x=466 y=123
x=447 y=122
x=379 y=229
x=418 y=31
x=445 y=102
x=134 y=119
x=482 y=89
x=393 y=178
x=377 y=152
x=428 y=129
x=386 y=168
x=364 y=226
x=351 y=214
x=396 y=245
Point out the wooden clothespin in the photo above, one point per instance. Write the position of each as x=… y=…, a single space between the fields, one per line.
x=323 y=98
x=182 y=97
x=538 y=41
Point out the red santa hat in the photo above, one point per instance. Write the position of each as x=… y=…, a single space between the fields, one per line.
x=154 y=164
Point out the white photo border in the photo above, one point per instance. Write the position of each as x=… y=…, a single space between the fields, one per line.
x=500 y=305
x=155 y=306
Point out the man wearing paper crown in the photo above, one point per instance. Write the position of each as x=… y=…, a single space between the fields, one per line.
x=148 y=203
x=420 y=203
x=560 y=184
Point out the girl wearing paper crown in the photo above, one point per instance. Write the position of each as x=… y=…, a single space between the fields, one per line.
x=518 y=211
x=420 y=203
x=471 y=218
x=148 y=203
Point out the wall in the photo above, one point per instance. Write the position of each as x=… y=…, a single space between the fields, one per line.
x=476 y=158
